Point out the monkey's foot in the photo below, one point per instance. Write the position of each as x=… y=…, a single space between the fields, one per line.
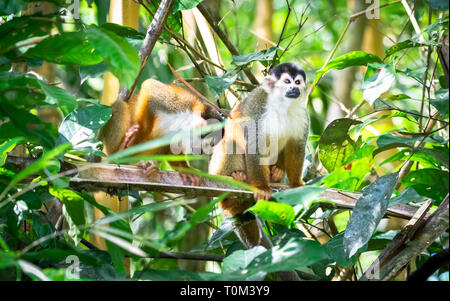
x=129 y=136
x=262 y=194
x=149 y=167
x=239 y=176
x=190 y=179
x=276 y=174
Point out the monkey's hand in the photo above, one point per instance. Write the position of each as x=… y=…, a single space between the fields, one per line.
x=276 y=174
x=239 y=175
x=190 y=179
x=129 y=136
x=262 y=193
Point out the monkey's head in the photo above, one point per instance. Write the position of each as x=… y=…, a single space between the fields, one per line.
x=286 y=80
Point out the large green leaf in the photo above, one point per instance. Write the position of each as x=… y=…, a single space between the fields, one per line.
x=273 y=212
x=119 y=55
x=218 y=84
x=354 y=58
x=74 y=211
x=66 y=48
x=335 y=145
x=22 y=28
x=295 y=253
x=240 y=259
x=379 y=78
x=428 y=182
x=55 y=95
x=441 y=102
x=335 y=249
x=260 y=56
x=407 y=196
x=123 y=31
x=300 y=197
x=79 y=127
x=367 y=213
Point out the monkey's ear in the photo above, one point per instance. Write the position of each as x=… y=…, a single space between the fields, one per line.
x=269 y=82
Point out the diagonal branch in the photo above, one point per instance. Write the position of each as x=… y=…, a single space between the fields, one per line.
x=214 y=23
x=153 y=32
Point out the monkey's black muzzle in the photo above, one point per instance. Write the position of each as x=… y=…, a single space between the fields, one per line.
x=293 y=92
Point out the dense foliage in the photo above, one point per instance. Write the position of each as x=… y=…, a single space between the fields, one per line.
x=399 y=114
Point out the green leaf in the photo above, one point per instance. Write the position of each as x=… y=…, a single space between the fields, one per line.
x=55 y=95
x=92 y=71
x=407 y=196
x=119 y=55
x=441 y=102
x=378 y=83
x=202 y=213
x=400 y=46
x=179 y=5
x=295 y=253
x=367 y=213
x=335 y=145
x=428 y=182
x=425 y=159
x=273 y=212
x=59 y=255
x=218 y=84
x=394 y=139
x=22 y=28
x=240 y=259
x=354 y=58
x=27 y=125
x=123 y=31
x=438 y=4
x=225 y=229
x=335 y=249
x=7 y=259
x=8 y=146
x=300 y=197
x=260 y=56
x=74 y=207
x=79 y=127
x=66 y=48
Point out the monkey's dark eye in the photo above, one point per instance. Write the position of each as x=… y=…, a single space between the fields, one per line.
x=297 y=82
x=287 y=81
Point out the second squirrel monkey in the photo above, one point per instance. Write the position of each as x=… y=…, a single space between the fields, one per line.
x=159 y=109
x=265 y=136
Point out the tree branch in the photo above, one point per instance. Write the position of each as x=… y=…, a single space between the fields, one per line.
x=213 y=22
x=394 y=259
x=153 y=32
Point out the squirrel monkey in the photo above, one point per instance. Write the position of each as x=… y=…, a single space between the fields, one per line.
x=159 y=109
x=265 y=136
